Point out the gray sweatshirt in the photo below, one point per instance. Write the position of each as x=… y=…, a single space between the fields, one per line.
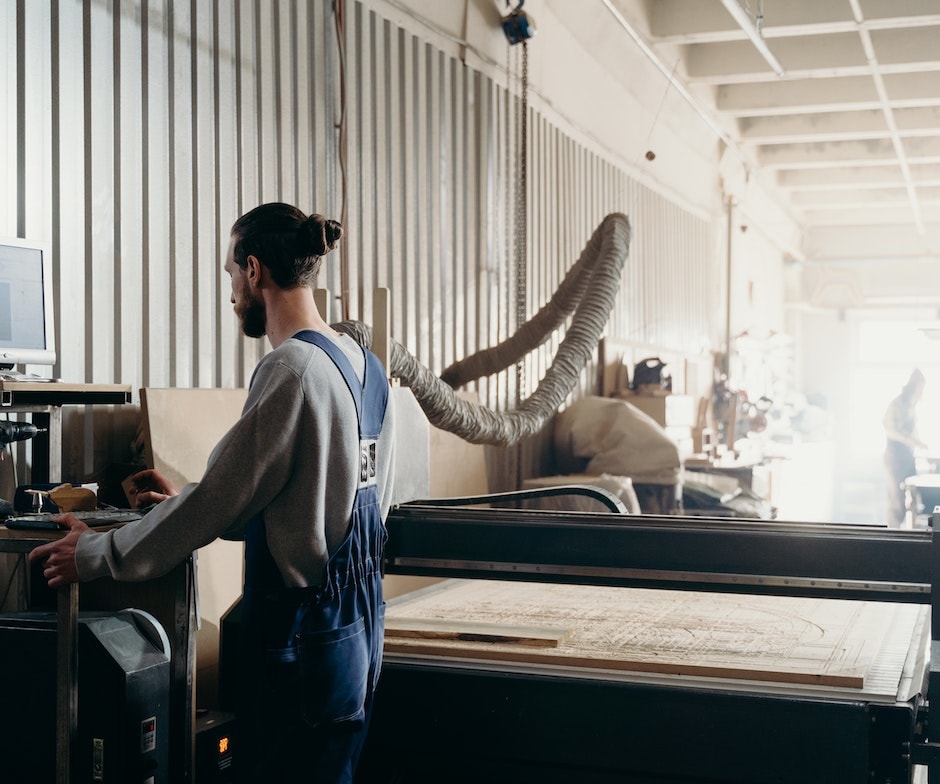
x=293 y=456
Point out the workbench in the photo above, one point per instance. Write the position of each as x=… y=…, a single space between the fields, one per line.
x=463 y=711
x=921 y=496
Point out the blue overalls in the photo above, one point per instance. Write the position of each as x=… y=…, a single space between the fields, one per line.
x=310 y=657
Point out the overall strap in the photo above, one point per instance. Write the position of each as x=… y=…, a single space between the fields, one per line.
x=371 y=396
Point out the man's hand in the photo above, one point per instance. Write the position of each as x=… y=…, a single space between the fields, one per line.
x=58 y=557
x=149 y=487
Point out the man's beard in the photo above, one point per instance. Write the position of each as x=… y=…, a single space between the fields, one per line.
x=252 y=317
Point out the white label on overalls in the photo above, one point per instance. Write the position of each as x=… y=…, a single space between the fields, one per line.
x=367 y=471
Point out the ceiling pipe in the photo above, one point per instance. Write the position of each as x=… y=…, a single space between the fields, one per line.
x=740 y=16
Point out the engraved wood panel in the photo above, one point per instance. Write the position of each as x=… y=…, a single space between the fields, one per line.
x=762 y=638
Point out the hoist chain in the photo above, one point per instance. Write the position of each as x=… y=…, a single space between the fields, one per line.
x=521 y=217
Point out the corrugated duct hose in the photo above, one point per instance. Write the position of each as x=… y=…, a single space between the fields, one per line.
x=589 y=290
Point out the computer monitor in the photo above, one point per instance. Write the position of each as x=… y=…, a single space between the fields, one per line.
x=27 y=336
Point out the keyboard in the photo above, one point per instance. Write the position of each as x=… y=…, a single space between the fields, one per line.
x=43 y=520
x=27 y=378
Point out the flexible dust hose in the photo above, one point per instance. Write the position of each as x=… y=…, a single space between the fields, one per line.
x=572 y=290
x=589 y=289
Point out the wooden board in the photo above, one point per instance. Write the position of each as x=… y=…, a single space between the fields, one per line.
x=762 y=638
x=455 y=468
x=470 y=631
x=180 y=428
x=458 y=468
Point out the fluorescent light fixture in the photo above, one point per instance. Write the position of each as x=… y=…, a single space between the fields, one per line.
x=744 y=22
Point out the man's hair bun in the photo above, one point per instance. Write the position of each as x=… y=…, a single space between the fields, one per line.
x=324 y=234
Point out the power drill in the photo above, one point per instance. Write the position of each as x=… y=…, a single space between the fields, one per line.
x=16 y=431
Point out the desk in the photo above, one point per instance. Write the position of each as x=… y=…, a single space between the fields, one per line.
x=43 y=401
x=742 y=470
x=170 y=599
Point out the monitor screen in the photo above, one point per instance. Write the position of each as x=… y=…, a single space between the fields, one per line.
x=26 y=316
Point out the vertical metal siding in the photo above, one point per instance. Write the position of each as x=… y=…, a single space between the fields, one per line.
x=150 y=125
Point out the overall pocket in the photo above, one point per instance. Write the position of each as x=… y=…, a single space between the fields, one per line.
x=334 y=673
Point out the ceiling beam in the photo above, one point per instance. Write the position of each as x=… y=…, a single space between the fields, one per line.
x=688 y=21
x=860 y=197
x=871 y=152
x=882 y=239
x=886 y=107
x=830 y=126
x=847 y=93
x=798 y=95
x=732 y=62
x=694 y=21
x=837 y=178
x=829 y=56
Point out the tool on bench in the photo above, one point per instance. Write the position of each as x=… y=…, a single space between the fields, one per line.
x=17 y=431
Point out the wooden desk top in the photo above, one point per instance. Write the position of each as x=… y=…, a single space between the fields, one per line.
x=64 y=386
x=706 y=465
x=22 y=541
x=54 y=393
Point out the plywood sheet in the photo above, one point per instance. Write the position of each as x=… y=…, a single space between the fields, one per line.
x=182 y=426
x=180 y=429
x=455 y=468
x=613 y=367
x=458 y=468
x=763 y=638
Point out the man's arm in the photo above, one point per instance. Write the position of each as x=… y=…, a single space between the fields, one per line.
x=247 y=468
x=58 y=557
x=149 y=487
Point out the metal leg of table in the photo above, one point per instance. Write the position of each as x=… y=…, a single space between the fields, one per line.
x=66 y=679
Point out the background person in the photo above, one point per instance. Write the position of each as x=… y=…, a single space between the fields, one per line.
x=900 y=424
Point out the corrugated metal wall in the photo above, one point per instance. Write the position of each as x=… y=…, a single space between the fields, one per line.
x=134 y=132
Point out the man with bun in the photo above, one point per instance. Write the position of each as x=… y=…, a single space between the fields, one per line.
x=304 y=478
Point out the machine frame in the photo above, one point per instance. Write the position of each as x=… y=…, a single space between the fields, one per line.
x=444 y=721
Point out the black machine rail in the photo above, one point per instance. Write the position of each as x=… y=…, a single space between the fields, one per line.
x=857 y=562
x=692 y=553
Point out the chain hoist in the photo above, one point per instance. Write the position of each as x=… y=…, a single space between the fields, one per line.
x=518 y=27
x=521 y=219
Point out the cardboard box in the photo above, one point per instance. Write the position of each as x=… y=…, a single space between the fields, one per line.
x=666 y=410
